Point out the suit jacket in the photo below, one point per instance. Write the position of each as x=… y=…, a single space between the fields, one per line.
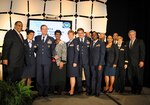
x=72 y=52
x=13 y=49
x=30 y=58
x=84 y=51
x=45 y=50
x=136 y=53
x=122 y=59
x=97 y=53
x=112 y=55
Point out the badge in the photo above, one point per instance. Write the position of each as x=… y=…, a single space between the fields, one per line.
x=25 y=44
x=49 y=46
x=98 y=45
x=77 y=47
x=35 y=46
x=49 y=42
x=121 y=49
x=87 y=42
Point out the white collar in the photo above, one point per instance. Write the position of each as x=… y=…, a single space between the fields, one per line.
x=95 y=41
x=82 y=38
x=29 y=40
x=44 y=37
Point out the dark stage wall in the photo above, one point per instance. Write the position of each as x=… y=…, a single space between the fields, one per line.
x=124 y=15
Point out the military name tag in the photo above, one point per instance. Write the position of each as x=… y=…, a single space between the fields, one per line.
x=121 y=49
x=71 y=45
x=87 y=42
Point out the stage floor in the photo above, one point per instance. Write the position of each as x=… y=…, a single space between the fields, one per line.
x=104 y=99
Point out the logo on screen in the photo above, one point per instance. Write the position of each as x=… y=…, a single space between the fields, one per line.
x=66 y=25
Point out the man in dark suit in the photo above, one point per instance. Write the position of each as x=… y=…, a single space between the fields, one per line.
x=84 y=50
x=136 y=56
x=45 y=48
x=97 y=55
x=115 y=38
x=13 y=52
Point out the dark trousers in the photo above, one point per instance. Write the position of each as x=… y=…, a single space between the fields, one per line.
x=87 y=77
x=135 y=76
x=120 y=79
x=43 y=79
x=96 y=79
x=5 y=72
x=14 y=73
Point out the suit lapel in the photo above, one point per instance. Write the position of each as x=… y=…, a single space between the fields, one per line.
x=134 y=43
x=26 y=42
x=18 y=37
x=46 y=39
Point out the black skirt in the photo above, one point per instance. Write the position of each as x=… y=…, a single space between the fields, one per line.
x=29 y=71
x=58 y=77
x=72 y=71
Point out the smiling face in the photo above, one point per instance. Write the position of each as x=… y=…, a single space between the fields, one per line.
x=115 y=36
x=80 y=34
x=70 y=35
x=94 y=36
x=18 y=26
x=109 y=39
x=30 y=36
x=102 y=36
x=44 y=30
x=132 y=35
x=120 y=40
x=57 y=36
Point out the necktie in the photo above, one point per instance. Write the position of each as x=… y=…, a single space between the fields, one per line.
x=43 y=39
x=131 y=44
x=93 y=43
x=81 y=40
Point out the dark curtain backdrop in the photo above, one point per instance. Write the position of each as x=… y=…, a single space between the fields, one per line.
x=124 y=15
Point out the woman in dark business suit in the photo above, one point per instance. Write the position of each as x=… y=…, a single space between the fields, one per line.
x=29 y=69
x=111 y=64
x=72 y=60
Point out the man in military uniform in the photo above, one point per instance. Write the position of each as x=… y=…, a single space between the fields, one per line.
x=84 y=49
x=45 y=48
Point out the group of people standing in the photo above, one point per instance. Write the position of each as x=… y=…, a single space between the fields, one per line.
x=51 y=61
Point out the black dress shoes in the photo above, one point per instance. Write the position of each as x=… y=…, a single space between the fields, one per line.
x=93 y=94
x=97 y=94
x=88 y=94
x=110 y=91
x=70 y=94
x=45 y=95
x=105 y=91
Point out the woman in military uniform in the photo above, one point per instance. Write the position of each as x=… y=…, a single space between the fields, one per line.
x=29 y=69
